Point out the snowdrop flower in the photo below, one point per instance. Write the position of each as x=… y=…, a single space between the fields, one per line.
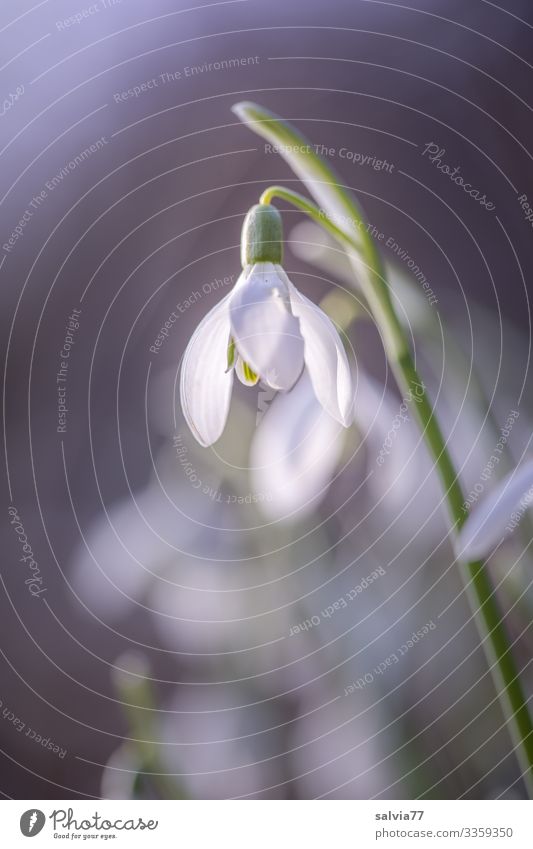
x=496 y=516
x=263 y=330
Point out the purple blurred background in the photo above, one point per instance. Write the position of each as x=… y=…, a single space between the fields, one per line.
x=140 y=197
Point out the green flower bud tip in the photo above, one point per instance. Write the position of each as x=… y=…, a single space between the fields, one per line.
x=262 y=236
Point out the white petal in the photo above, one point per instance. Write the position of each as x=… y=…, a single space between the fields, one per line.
x=294 y=453
x=205 y=386
x=266 y=333
x=325 y=358
x=496 y=515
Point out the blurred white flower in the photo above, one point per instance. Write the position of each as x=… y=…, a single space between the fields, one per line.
x=297 y=447
x=497 y=515
x=222 y=743
x=294 y=453
x=201 y=614
x=120 y=774
x=147 y=538
x=334 y=753
x=265 y=329
x=122 y=553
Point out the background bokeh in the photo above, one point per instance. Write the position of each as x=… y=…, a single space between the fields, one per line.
x=163 y=657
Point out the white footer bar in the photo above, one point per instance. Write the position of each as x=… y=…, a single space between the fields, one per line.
x=268 y=824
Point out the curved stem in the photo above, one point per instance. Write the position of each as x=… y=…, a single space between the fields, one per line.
x=377 y=294
x=476 y=579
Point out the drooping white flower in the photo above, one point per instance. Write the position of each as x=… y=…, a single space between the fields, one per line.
x=497 y=515
x=264 y=330
x=294 y=453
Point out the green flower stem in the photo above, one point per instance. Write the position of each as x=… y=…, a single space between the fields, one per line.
x=378 y=296
x=475 y=576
